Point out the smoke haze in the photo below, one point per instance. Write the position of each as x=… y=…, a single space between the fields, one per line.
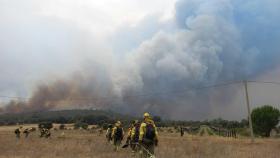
x=61 y=62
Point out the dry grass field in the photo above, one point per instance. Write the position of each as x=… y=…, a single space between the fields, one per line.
x=83 y=144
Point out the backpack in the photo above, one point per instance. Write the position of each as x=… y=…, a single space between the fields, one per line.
x=137 y=132
x=119 y=133
x=17 y=131
x=150 y=131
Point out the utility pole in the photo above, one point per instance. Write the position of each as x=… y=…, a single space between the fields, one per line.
x=249 y=111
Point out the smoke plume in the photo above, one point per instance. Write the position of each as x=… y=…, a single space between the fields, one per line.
x=211 y=42
x=80 y=91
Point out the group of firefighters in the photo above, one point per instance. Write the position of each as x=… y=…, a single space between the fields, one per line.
x=44 y=132
x=142 y=136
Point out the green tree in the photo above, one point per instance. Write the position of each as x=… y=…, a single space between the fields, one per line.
x=82 y=125
x=47 y=125
x=264 y=119
x=157 y=118
x=62 y=127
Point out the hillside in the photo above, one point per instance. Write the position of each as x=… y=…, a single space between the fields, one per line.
x=64 y=116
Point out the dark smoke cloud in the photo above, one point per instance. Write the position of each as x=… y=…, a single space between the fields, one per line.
x=213 y=41
x=79 y=91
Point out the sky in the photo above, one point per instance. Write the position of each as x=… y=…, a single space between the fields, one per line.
x=49 y=34
x=119 y=54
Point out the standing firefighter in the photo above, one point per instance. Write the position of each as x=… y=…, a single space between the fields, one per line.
x=26 y=132
x=182 y=131
x=135 y=132
x=109 y=133
x=148 y=136
x=117 y=135
x=131 y=135
x=100 y=131
x=128 y=139
x=17 y=132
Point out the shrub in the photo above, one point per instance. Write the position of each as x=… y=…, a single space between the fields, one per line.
x=62 y=127
x=82 y=125
x=47 y=125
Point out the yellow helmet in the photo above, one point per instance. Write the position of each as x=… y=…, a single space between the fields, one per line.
x=146 y=114
x=118 y=123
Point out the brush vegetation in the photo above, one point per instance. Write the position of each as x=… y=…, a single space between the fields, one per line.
x=86 y=144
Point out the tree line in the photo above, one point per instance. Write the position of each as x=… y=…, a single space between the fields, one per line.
x=100 y=117
x=264 y=118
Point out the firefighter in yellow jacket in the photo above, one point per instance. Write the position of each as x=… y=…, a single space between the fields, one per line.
x=135 y=132
x=117 y=135
x=109 y=133
x=148 y=136
x=129 y=134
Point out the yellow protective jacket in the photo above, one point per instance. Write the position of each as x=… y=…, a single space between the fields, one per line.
x=129 y=133
x=143 y=128
x=133 y=131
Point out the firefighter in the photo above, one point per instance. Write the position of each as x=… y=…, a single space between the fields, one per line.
x=26 y=132
x=42 y=132
x=17 y=132
x=117 y=135
x=100 y=131
x=109 y=133
x=128 y=139
x=45 y=132
x=135 y=132
x=182 y=131
x=148 y=136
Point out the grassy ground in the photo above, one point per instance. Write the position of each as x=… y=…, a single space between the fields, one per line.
x=83 y=144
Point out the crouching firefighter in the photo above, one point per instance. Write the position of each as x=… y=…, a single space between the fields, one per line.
x=117 y=135
x=45 y=133
x=148 y=136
